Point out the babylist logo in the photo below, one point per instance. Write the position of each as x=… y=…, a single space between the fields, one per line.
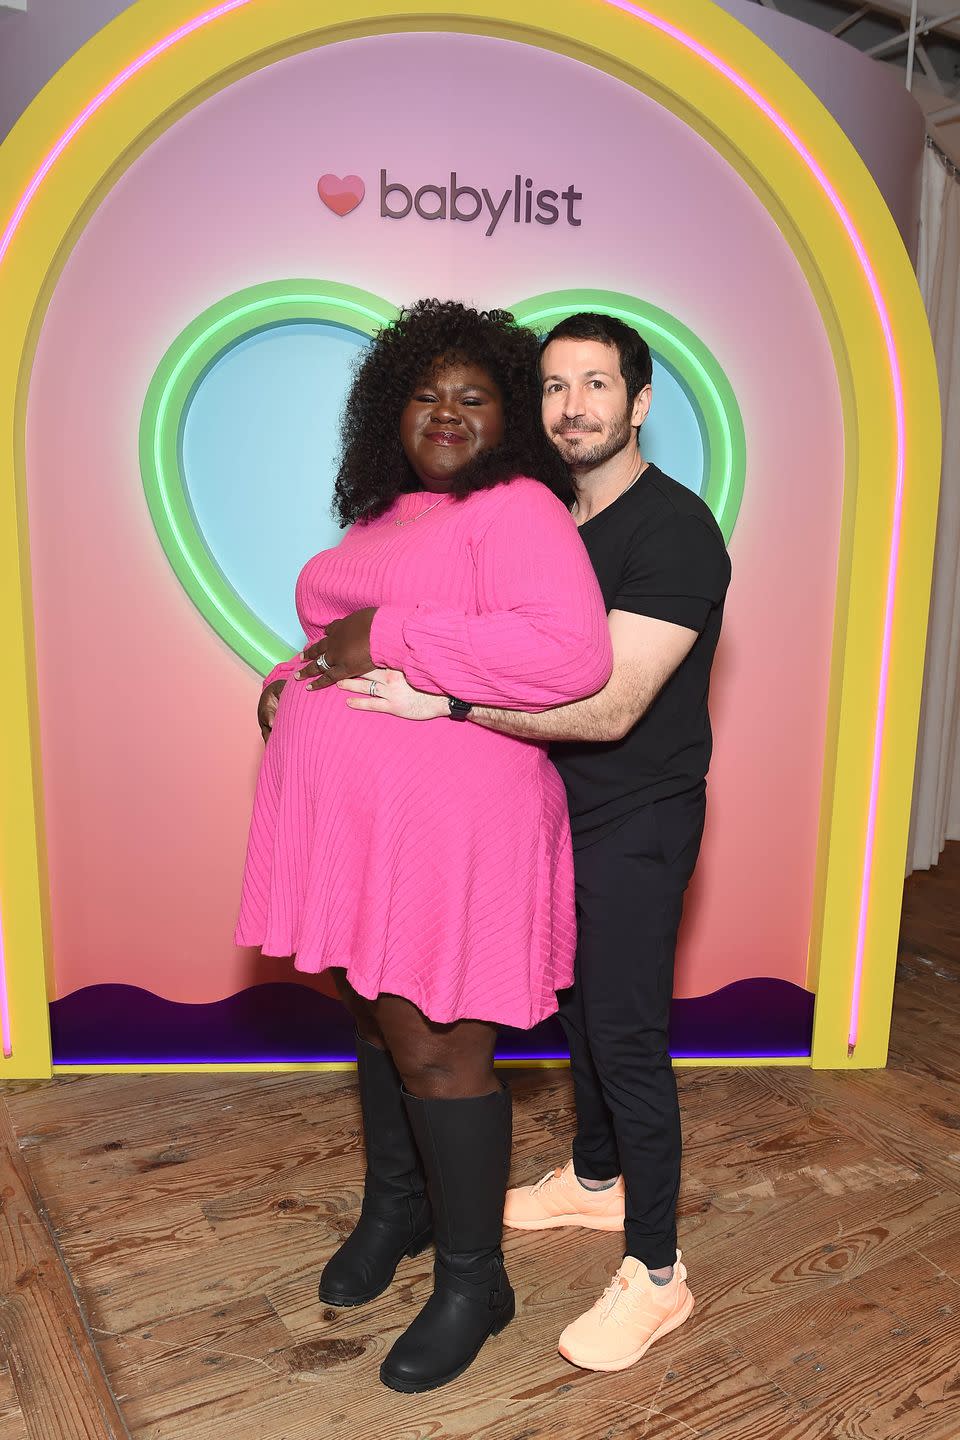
x=519 y=204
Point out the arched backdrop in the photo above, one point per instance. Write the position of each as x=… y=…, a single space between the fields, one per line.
x=183 y=227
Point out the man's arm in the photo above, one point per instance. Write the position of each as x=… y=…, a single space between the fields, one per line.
x=646 y=652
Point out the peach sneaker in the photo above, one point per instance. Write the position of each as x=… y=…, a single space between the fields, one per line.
x=559 y=1199
x=629 y=1316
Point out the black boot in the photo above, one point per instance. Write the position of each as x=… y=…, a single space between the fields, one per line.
x=395 y=1216
x=465 y=1146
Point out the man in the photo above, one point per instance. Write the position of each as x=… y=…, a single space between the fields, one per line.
x=634 y=758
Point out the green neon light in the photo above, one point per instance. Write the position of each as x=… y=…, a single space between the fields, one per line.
x=200 y=348
x=693 y=366
x=285 y=302
x=168 y=398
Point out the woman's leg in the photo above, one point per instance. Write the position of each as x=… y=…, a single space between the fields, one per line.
x=361 y=1009
x=437 y=1062
x=395 y=1218
x=460 y=1117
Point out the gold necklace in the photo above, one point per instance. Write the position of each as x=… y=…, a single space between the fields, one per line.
x=420 y=514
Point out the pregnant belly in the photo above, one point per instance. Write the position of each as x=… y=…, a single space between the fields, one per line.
x=337 y=754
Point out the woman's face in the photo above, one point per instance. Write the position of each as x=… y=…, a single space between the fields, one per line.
x=450 y=419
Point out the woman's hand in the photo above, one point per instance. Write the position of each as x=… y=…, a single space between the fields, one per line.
x=388 y=692
x=345 y=648
x=267 y=709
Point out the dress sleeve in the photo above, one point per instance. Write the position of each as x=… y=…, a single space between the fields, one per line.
x=540 y=637
x=284 y=671
x=678 y=574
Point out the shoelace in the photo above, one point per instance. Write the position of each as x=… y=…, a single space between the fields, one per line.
x=615 y=1291
x=550 y=1175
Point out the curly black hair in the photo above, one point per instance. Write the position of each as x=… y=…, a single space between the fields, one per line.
x=373 y=468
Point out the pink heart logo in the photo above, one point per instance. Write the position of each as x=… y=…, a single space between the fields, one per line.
x=341 y=196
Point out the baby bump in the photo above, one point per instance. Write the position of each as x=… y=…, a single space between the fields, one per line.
x=360 y=761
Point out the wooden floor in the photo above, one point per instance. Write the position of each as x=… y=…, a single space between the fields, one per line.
x=160 y=1240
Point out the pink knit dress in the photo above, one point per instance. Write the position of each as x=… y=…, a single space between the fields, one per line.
x=432 y=860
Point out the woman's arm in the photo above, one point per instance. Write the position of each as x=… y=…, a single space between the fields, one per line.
x=541 y=638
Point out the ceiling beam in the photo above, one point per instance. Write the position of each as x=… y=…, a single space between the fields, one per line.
x=932 y=9
x=851 y=20
x=942 y=12
x=926 y=65
x=925 y=27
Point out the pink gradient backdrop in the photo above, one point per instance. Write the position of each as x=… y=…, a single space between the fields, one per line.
x=147 y=719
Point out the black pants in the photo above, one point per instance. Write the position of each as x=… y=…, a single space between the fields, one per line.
x=630 y=886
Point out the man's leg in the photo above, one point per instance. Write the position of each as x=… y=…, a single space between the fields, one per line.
x=587 y=1191
x=595 y=1155
x=631 y=895
x=631 y=901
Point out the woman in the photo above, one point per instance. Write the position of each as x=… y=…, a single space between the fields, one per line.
x=429 y=866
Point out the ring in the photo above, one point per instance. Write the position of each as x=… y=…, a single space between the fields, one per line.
x=322 y=662
x=373 y=688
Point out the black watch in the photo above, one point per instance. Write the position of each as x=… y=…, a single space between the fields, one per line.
x=459 y=709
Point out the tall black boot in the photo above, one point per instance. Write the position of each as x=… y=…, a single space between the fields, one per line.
x=465 y=1146
x=395 y=1215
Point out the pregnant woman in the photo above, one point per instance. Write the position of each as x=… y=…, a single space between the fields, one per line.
x=429 y=866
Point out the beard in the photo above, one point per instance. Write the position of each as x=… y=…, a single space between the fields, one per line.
x=580 y=456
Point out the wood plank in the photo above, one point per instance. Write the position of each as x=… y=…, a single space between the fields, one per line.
x=60 y=1384
x=914 y=1121
x=272 y=1163
x=162 y=1113
x=12 y=1424
x=879 y=1355
x=167 y=1373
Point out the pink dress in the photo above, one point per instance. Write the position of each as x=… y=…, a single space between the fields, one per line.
x=432 y=859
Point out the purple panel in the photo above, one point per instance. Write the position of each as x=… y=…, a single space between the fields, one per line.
x=122 y=1024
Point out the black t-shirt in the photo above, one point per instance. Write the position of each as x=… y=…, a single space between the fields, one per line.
x=657 y=551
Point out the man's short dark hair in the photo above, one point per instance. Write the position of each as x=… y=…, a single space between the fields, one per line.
x=636 y=366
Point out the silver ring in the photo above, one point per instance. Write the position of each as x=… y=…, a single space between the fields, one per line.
x=322 y=662
x=373 y=688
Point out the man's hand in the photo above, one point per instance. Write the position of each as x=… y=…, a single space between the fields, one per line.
x=267 y=709
x=345 y=648
x=388 y=692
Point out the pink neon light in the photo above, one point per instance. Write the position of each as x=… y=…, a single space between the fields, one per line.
x=816 y=170
x=4 y=1006
x=110 y=89
x=813 y=166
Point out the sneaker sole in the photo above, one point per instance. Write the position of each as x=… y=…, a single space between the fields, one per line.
x=558 y=1222
x=405 y=1387
x=351 y=1301
x=673 y=1323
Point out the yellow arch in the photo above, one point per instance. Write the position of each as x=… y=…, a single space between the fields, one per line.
x=641 y=46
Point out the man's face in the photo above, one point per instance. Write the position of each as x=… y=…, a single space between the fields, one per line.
x=584 y=402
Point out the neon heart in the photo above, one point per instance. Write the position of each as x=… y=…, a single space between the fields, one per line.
x=341 y=195
x=278 y=303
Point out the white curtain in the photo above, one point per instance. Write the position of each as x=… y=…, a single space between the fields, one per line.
x=936 y=786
